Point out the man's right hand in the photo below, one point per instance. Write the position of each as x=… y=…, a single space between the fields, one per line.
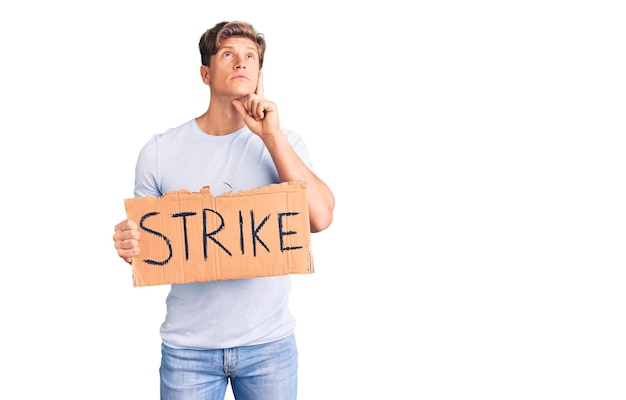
x=126 y=239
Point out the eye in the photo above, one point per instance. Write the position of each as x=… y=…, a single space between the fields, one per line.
x=250 y=56
x=228 y=55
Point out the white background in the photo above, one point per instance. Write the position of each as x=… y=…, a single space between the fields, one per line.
x=475 y=150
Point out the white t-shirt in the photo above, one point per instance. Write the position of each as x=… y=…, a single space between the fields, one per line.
x=223 y=314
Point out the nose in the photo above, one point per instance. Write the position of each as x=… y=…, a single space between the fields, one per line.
x=240 y=63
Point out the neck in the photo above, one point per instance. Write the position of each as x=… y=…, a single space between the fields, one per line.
x=220 y=120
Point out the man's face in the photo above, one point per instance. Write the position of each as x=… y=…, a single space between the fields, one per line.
x=234 y=68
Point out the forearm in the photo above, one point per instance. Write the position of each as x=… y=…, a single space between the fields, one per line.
x=291 y=168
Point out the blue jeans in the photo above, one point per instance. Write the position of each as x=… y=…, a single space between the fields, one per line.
x=263 y=372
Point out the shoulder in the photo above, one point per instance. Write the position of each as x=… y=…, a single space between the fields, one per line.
x=296 y=141
x=168 y=137
x=173 y=133
x=291 y=135
x=171 y=136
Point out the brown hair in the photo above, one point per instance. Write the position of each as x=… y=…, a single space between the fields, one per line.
x=211 y=40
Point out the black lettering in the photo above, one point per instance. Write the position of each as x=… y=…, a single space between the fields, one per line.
x=211 y=235
x=255 y=232
x=185 y=215
x=158 y=234
x=282 y=233
x=241 y=233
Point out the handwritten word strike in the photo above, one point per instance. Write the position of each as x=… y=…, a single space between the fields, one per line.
x=209 y=233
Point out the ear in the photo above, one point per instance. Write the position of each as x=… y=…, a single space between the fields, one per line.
x=204 y=73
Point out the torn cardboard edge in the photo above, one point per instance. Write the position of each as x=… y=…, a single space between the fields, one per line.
x=190 y=237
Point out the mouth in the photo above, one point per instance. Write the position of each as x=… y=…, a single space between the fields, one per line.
x=240 y=77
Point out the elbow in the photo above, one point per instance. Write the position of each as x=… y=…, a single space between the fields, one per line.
x=319 y=224
x=322 y=216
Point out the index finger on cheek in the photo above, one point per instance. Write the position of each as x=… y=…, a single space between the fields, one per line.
x=259 y=85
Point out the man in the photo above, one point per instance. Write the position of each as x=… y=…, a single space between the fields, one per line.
x=238 y=330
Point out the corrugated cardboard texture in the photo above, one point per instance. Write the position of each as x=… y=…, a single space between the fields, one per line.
x=195 y=237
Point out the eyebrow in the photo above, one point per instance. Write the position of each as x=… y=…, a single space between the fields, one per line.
x=232 y=47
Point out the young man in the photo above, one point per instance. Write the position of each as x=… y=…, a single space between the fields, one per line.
x=242 y=329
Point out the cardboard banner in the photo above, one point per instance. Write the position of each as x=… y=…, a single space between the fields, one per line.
x=195 y=237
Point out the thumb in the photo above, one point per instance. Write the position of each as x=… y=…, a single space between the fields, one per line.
x=241 y=109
